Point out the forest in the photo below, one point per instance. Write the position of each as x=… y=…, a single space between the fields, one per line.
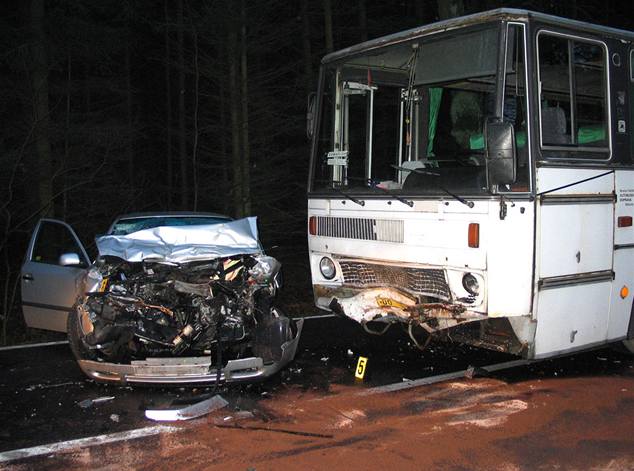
x=110 y=107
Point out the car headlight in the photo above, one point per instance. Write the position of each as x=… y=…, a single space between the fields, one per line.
x=470 y=284
x=327 y=268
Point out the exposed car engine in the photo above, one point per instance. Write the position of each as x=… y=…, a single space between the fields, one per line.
x=221 y=307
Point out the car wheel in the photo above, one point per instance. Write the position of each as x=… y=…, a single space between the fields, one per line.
x=75 y=335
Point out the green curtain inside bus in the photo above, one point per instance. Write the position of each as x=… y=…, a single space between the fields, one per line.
x=435 y=95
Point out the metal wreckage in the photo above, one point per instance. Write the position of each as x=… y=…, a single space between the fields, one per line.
x=182 y=305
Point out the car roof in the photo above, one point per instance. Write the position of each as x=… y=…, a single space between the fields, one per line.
x=171 y=213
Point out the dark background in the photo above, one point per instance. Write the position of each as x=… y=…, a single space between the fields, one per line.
x=111 y=106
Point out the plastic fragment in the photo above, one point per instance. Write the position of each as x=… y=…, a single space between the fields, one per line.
x=189 y=412
x=86 y=403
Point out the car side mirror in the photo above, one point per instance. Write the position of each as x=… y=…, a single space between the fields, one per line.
x=310 y=115
x=500 y=153
x=70 y=260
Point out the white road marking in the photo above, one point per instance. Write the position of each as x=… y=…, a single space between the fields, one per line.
x=33 y=345
x=51 y=448
x=440 y=378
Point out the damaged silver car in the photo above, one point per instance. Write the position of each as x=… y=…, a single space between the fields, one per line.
x=171 y=298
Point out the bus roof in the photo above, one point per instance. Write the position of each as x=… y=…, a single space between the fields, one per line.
x=511 y=14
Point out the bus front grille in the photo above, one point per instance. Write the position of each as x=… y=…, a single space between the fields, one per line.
x=382 y=230
x=418 y=281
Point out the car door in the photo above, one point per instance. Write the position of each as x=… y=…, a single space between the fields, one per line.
x=51 y=277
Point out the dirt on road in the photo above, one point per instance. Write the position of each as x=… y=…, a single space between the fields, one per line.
x=582 y=423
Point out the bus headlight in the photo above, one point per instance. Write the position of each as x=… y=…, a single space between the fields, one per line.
x=470 y=284
x=327 y=268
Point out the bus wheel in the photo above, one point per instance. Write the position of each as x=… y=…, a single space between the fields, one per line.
x=629 y=345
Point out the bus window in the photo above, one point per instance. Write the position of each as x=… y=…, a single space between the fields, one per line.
x=573 y=101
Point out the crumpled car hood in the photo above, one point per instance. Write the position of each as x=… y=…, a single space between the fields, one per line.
x=184 y=243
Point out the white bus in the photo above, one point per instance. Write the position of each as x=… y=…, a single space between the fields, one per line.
x=473 y=179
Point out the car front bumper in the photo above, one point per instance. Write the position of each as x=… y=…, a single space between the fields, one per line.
x=190 y=370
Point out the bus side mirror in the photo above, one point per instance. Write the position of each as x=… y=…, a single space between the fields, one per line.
x=500 y=152
x=310 y=115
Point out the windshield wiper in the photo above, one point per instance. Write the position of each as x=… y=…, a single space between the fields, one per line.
x=341 y=192
x=350 y=197
x=375 y=185
x=470 y=204
x=456 y=197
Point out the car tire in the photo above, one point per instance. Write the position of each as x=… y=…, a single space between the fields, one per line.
x=77 y=346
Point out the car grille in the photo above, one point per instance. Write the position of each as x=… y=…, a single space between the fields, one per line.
x=383 y=230
x=419 y=281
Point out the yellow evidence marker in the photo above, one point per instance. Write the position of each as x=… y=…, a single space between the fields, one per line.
x=361 y=364
x=103 y=285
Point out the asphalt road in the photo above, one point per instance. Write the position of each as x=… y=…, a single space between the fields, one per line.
x=41 y=388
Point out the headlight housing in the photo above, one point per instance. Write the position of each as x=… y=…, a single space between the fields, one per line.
x=327 y=268
x=470 y=284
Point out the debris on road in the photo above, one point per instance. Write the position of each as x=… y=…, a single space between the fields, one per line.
x=114 y=417
x=86 y=403
x=34 y=387
x=238 y=415
x=188 y=412
x=474 y=371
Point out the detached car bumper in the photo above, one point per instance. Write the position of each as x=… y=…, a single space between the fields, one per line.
x=190 y=370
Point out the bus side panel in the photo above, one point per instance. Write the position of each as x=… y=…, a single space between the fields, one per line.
x=571 y=317
x=574 y=236
x=621 y=307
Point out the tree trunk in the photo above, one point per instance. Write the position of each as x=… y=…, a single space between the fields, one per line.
x=168 y=107
x=308 y=62
x=244 y=92
x=450 y=9
x=65 y=164
x=39 y=84
x=419 y=8
x=574 y=12
x=234 y=104
x=128 y=109
x=363 y=21
x=195 y=144
x=328 y=25
x=182 y=142
x=225 y=187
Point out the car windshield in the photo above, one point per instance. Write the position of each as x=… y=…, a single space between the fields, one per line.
x=414 y=105
x=129 y=225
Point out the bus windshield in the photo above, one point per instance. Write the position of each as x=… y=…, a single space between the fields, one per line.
x=410 y=117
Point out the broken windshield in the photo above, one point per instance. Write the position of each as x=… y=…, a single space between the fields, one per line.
x=130 y=225
x=418 y=105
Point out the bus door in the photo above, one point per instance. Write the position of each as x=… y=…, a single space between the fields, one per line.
x=574 y=269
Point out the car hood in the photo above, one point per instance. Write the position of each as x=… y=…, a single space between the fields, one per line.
x=184 y=243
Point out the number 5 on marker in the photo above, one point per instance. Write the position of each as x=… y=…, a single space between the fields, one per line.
x=361 y=364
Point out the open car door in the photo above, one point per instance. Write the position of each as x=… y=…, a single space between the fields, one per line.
x=52 y=275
